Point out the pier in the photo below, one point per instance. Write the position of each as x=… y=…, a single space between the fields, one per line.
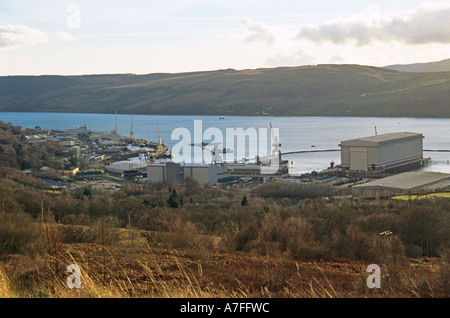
x=438 y=150
x=306 y=151
x=331 y=150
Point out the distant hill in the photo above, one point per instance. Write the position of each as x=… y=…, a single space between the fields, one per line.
x=322 y=90
x=440 y=66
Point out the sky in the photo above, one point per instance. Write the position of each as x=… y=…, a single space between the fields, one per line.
x=59 y=37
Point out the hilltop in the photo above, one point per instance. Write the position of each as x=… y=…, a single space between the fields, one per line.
x=322 y=90
x=438 y=66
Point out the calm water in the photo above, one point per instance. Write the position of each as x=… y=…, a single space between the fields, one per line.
x=296 y=133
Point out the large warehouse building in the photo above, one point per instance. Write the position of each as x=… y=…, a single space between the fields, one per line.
x=385 y=152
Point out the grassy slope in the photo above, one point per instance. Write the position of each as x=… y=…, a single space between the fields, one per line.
x=331 y=90
x=438 y=66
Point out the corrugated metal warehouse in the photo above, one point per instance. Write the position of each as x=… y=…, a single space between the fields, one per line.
x=382 y=152
x=407 y=182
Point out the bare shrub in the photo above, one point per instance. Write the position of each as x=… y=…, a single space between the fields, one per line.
x=279 y=189
x=358 y=244
x=73 y=234
x=443 y=274
x=20 y=234
x=425 y=227
x=180 y=235
x=227 y=232
x=104 y=231
x=247 y=237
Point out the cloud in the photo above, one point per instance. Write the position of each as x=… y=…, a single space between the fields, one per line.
x=429 y=23
x=257 y=32
x=14 y=36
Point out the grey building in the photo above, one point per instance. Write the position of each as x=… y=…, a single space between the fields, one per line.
x=156 y=172
x=174 y=172
x=382 y=152
x=257 y=171
x=168 y=171
x=212 y=174
x=406 y=183
x=120 y=169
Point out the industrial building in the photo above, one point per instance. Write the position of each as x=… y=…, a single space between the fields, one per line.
x=126 y=169
x=212 y=174
x=175 y=172
x=169 y=171
x=387 y=152
x=405 y=183
x=156 y=172
x=89 y=175
x=257 y=171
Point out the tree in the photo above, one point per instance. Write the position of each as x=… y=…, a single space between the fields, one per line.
x=426 y=228
x=244 y=201
x=174 y=200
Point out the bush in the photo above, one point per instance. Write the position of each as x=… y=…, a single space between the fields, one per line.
x=427 y=228
x=413 y=251
x=180 y=235
x=278 y=234
x=73 y=234
x=279 y=189
x=358 y=244
x=20 y=234
x=443 y=273
x=354 y=244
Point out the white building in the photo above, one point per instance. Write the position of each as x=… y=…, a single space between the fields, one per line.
x=382 y=152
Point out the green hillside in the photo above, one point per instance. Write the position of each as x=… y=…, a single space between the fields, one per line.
x=323 y=90
x=438 y=66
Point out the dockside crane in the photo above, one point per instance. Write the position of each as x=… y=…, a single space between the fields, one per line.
x=216 y=158
x=131 y=129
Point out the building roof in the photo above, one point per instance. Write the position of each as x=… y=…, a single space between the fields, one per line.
x=410 y=180
x=122 y=167
x=377 y=139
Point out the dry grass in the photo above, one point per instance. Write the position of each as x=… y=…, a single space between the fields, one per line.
x=5 y=286
x=420 y=197
x=122 y=272
x=132 y=269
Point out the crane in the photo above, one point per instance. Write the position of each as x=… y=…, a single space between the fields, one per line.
x=216 y=158
x=276 y=144
x=131 y=129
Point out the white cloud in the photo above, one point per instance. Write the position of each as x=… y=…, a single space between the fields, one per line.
x=429 y=23
x=14 y=36
x=256 y=31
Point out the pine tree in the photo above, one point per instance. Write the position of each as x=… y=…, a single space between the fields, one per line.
x=244 y=201
x=174 y=200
